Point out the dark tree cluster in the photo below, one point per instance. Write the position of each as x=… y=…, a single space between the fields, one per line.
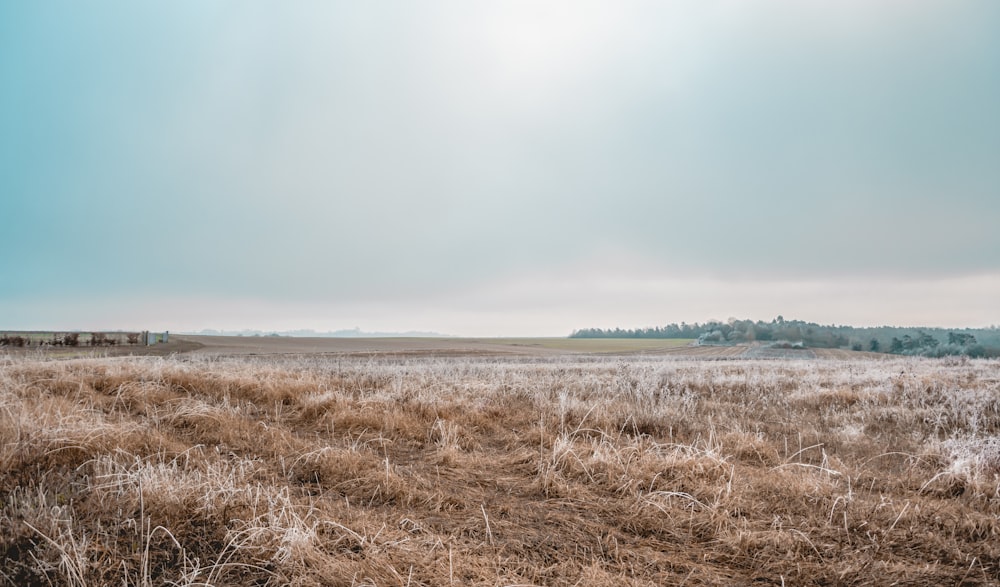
x=102 y=339
x=734 y=331
x=923 y=344
x=982 y=342
x=70 y=339
x=14 y=340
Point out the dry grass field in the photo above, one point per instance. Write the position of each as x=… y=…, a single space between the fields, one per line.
x=498 y=470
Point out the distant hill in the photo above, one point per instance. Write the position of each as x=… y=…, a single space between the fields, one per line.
x=973 y=342
x=306 y=333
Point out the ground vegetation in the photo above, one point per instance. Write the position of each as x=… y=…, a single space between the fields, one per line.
x=933 y=342
x=581 y=470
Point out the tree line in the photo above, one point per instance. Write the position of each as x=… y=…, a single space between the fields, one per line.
x=978 y=342
x=70 y=339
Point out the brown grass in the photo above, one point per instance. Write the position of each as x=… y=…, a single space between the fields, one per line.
x=482 y=471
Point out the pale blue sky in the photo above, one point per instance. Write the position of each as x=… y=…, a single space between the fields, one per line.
x=498 y=167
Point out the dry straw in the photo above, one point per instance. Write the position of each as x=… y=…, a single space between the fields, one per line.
x=482 y=471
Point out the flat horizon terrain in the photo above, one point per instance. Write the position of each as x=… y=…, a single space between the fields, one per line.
x=235 y=346
x=484 y=346
x=546 y=346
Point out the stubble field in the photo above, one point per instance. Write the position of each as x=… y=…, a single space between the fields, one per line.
x=498 y=470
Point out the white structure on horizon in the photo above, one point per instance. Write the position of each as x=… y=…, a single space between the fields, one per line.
x=150 y=338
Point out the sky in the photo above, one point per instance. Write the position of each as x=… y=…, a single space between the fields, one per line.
x=515 y=168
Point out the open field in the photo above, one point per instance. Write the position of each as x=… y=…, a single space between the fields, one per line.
x=469 y=347
x=592 y=345
x=231 y=346
x=572 y=470
x=269 y=345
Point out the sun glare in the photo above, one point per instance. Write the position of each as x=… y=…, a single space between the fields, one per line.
x=534 y=44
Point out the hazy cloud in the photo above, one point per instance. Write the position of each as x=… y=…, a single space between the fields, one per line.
x=334 y=154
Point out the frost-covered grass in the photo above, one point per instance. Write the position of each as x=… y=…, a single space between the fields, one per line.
x=490 y=471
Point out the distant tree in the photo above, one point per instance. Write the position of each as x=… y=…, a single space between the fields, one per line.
x=925 y=340
x=13 y=340
x=975 y=351
x=910 y=341
x=714 y=337
x=961 y=339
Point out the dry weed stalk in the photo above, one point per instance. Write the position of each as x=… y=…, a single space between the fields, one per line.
x=430 y=471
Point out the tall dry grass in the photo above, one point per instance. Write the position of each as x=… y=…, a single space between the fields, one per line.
x=576 y=471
